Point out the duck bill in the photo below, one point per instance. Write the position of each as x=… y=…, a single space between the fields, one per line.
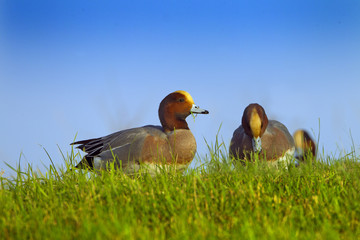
x=197 y=110
x=256 y=143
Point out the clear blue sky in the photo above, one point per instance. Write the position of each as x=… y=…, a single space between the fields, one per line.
x=94 y=67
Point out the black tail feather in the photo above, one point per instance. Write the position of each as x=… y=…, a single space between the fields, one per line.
x=86 y=162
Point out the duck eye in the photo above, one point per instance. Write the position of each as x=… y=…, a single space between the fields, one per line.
x=181 y=100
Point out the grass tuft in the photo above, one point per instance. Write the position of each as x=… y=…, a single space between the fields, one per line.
x=219 y=199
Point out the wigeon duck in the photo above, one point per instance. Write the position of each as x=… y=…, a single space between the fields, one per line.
x=305 y=145
x=257 y=134
x=149 y=146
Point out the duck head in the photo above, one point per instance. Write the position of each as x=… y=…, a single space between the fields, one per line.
x=304 y=144
x=174 y=109
x=254 y=122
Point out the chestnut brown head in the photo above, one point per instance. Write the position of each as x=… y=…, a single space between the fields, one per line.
x=254 y=122
x=304 y=144
x=174 y=109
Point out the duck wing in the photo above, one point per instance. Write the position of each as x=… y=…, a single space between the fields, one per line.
x=122 y=145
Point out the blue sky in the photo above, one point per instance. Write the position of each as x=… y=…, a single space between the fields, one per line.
x=94 y=67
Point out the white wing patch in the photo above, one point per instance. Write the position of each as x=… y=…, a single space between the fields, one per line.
x=100 y=163
x=113 y=149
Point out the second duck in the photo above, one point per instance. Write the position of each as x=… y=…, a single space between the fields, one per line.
x=256 y=134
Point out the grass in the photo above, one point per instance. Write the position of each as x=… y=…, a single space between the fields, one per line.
x=217 y=200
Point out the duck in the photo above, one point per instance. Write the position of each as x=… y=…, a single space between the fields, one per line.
x=150 y=147
x=257 y=134
x=305 y=145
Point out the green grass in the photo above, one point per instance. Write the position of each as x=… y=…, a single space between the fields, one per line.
x=216 y=200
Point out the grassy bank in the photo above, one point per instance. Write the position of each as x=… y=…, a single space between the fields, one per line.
x=319 y=201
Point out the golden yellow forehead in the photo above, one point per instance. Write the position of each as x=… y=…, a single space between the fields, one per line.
x=255 y=123
x=299 y=138
x=187 y=96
